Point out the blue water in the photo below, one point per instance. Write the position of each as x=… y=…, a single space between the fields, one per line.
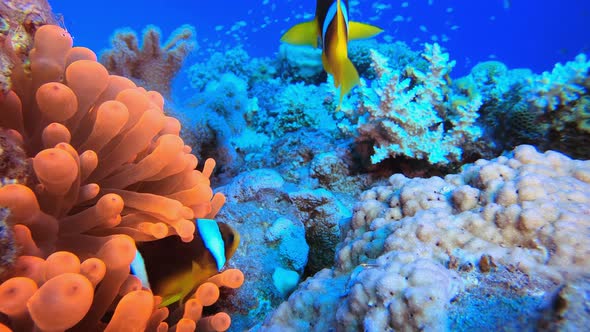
x=534 y=34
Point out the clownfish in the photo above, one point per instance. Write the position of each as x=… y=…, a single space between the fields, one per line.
x=333 y=28
x=174 y=269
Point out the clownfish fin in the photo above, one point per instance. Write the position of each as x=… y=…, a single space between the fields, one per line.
x=179 y=287
x=358 y=30
x=168 y=300
x=305 y=33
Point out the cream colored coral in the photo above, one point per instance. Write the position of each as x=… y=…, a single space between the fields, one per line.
x=513 y=207
x=411 y=243
x=399 y=286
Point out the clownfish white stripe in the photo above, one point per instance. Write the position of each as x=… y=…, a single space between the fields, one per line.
x=138 y=269
x=345 y=15
x=212 y=239
x=330 y=15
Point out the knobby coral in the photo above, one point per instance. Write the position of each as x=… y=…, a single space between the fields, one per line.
x=109 y=169
x=415 y=244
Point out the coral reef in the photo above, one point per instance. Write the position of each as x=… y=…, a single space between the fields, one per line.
x=152 y=65
x=109 y=169
x=418 y=253
x=19 y=20
x=302 y=162
x=344 y=224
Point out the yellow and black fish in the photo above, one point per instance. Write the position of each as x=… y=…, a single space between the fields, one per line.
x=333 y=28
x=174 y=269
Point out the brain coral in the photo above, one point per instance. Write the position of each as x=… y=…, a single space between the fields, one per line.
x=412 y=243
x=109 y=170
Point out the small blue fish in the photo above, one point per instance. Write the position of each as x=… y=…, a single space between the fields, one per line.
x=174 y=269
x=334 y=29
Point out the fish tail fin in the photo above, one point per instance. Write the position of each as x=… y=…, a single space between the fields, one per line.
x=349 y=77
x=305 y=33
x=328 y=68
x=359 y=30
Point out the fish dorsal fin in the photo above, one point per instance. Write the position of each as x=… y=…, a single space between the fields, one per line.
x=357 y=30
x=305 y=33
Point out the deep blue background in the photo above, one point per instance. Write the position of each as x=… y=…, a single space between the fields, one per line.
x=530 y=33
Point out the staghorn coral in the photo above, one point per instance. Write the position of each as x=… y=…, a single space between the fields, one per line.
x=19 y=19
x=110 y=169
x=153 y=65
x=408 y=113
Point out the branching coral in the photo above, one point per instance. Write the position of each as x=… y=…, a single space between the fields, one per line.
x=110 y=169
x=405 y=112
x=153 y=65
x=564 y=84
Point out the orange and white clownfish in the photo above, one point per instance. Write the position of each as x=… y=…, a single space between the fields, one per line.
x=174 y=269
x=333 y=28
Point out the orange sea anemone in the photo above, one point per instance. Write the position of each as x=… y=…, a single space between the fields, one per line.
x=109 y=169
